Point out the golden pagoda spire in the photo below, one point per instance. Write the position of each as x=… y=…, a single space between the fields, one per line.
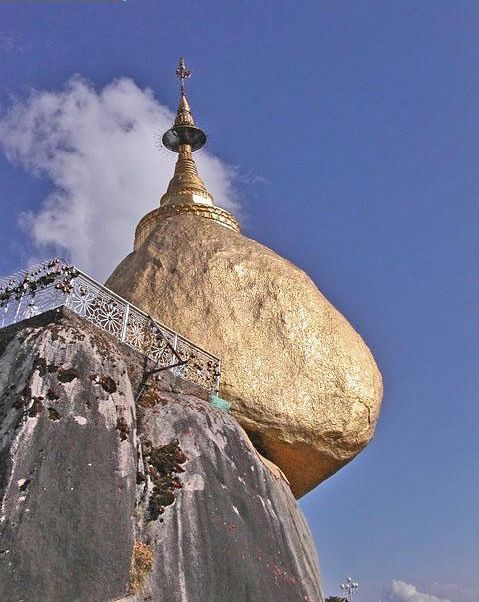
x=186 y=186
x=186 y=192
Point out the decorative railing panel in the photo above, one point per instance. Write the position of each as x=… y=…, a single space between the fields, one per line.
x=97 y=304
x=55 y=284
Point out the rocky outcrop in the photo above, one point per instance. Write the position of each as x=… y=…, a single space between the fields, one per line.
x=302 y=382
x=114 y=486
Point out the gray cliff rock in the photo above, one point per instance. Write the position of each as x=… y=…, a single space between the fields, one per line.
x=111 y=490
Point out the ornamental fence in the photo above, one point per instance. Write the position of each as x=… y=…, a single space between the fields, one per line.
x=54 y=284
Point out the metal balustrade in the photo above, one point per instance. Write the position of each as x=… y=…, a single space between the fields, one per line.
x=54 y=284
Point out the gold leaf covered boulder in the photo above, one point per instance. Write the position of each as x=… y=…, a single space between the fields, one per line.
x=301 y=381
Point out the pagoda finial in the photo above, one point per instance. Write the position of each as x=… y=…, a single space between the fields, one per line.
x=184 y=130
x=186 y=192
x=182 y=73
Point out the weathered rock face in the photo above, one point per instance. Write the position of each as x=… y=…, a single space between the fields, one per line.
x=302 y=381
x=67 y=486
x=106 y=498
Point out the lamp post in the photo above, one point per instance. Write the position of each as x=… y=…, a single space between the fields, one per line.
x=349 y=587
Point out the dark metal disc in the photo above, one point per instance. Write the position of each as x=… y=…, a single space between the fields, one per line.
x=184 y=134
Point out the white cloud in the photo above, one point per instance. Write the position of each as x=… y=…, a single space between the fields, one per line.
x=399 y=591
x=98 y=150
x=458 y=593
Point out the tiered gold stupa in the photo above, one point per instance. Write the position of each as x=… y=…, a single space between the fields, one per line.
x=301 y=381
x=186 y=193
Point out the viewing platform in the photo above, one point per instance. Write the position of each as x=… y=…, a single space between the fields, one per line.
x=53 y=284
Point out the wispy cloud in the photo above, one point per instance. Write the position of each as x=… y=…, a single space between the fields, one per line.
x=97 y=148
x=400 y=591
x=459 y=593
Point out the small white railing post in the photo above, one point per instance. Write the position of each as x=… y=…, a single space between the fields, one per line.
x=17 y=313
x=125 y=323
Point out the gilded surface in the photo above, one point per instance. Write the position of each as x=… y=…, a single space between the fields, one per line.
x=152 y=219
x=186 y=193
x=183 y=114
x=186 y=185
x=302 y=382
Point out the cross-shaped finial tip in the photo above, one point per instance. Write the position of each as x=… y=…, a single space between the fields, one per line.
x=182 y=73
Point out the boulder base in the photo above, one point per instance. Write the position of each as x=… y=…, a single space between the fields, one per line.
x=302 y=382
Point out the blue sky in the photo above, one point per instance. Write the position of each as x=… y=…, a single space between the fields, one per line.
x=347 y=133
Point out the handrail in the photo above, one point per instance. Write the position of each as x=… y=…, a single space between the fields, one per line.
x=54 y=283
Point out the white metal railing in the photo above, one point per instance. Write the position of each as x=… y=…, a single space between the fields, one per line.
x=55 y=284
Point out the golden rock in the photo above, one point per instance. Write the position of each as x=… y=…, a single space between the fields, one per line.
x=302 y=382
